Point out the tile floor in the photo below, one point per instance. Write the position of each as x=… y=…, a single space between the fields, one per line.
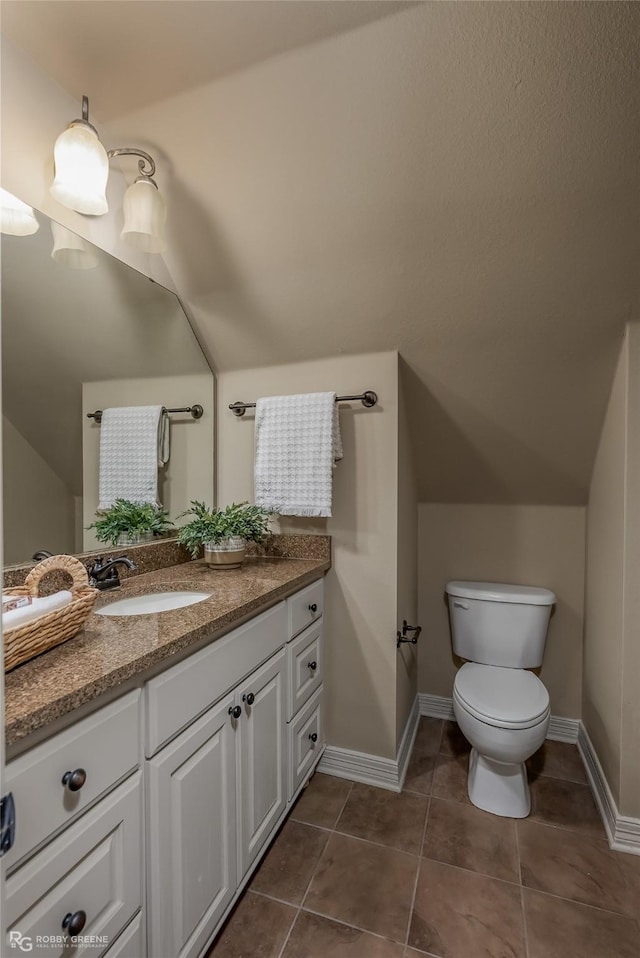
x=360 y=872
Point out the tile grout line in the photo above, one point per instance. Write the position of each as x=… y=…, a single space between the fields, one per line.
x=424 y=834
x=581 y=904
x=524 y=914
x=313 y=873
x=416 y=879
x=345 y=924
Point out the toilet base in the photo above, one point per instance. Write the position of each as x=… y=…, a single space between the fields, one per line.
x=499 y=788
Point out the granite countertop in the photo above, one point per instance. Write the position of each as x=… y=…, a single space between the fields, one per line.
x=112 y=649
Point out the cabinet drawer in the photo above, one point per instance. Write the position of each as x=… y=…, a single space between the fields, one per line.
x=94 y=867
x=304 y=750
x=179 y=695
x=304 y=607
x=105 y=745
x=305 y=668
x=130 y=944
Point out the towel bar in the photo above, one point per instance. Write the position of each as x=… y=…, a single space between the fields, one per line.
x=196 y=412
x=367 y=398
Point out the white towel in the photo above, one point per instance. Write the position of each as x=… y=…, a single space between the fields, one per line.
x=297 y=445
x=38 y=607
x=134 y=441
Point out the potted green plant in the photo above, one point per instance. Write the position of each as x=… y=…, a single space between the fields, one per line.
x=223 y=533
x=129 y=523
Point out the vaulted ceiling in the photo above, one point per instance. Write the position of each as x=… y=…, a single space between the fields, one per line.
x=458 y=181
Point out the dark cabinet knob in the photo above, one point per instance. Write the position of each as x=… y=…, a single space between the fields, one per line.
x=313 y=736
x=74 y=780
x=313 y=608
x=312 y=665
x=235 y=711
x=74 y=923
x=249 y=698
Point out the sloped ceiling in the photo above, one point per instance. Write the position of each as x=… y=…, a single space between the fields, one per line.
x=458 y=181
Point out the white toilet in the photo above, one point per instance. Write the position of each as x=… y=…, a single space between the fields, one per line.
x=502 y=709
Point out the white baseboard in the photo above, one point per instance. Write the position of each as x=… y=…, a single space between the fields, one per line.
x=563 y=729
x=372 y=769
x=438 y=706
x=623 y=832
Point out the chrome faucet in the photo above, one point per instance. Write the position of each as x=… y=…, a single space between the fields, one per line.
x=105 y=575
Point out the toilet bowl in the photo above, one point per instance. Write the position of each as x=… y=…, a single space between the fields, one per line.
x=504 y=714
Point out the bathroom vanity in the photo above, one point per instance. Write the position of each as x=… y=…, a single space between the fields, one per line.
x=146 y=797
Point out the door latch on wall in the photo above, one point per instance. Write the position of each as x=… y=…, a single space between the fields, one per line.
x=403 y=637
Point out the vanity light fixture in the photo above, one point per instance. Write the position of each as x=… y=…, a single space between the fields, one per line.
x=16 y=218
x=81 y=173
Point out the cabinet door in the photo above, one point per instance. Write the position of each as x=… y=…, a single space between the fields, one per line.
x=262 y=760
x=192 y=834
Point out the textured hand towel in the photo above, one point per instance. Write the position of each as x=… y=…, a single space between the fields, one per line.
x=134 y=441
x=297 y=444
x=38 y=607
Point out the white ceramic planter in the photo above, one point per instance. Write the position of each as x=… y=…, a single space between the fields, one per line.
x=225 y=554
x=134 y=538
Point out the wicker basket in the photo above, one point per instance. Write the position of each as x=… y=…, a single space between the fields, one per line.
x=25 y=641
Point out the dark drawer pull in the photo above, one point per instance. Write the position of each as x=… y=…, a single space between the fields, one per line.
x=313 y=736
x=235 y=711
x=313 y=608
x=74 y=923
x=312 y=665
x=74 y=780
x=249 y=699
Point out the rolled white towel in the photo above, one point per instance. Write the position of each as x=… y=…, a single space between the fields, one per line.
x=37 y=608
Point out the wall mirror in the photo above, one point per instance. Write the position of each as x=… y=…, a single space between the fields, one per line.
x=80 y=338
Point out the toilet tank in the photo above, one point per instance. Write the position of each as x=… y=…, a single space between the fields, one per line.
x=499 y=624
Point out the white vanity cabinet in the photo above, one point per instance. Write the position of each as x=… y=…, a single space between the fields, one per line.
x=198 y=766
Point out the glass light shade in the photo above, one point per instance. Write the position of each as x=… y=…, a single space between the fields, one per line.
x=145 y=214
x=16 y=218
x=82 y=170
x=71 y=250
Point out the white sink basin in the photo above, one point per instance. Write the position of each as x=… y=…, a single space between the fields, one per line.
x=148 y=604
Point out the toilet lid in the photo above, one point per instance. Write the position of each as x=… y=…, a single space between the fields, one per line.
x=509 y=698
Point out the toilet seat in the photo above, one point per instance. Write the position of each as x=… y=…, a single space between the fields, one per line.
x=501 y=697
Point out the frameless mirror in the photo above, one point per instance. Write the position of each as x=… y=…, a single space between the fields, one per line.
x=77 y=339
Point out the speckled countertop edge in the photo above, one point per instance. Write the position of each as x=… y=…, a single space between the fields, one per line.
x=111 y=650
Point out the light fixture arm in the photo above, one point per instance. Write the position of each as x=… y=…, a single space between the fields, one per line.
x=146 y=161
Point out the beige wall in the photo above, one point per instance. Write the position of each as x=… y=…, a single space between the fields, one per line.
x=189 y=474
x=361 y=586
x=42 y=512
x=407 y=550
x=612 y=652
x=531 y=545
x=630 y=725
